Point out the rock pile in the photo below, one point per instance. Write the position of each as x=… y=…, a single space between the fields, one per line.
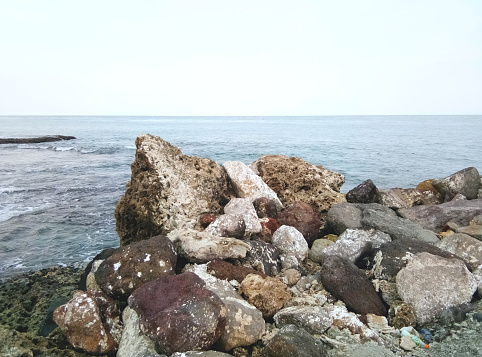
x=272 y=260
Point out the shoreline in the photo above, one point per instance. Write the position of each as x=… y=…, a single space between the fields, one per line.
x=36 y=140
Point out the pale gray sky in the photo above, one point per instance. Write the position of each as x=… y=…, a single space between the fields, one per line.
x=223 y=57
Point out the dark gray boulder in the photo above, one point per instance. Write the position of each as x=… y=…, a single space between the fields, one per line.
x=366 y=192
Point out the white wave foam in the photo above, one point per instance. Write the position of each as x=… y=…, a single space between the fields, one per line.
x=63 y=148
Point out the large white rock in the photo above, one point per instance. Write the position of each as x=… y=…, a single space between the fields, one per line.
x=244 y=207
x=432 y=284
x=247 y=184
x=292 y=246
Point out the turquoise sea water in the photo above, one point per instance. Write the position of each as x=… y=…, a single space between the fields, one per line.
x=57 y=200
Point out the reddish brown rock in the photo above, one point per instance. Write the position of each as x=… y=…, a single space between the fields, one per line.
x=303 y=217
x=267 y=294
x=133 y=265
x=207 y=219
x=348 y=283
x=268 y=227
x=227 y=271
x=83 y=322
x=179 y=313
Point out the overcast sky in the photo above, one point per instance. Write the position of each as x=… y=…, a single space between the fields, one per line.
x=223 y=57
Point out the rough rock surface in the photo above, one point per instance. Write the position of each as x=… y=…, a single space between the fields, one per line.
x=343 y=216
x=201 y=247
x=248 y=184
x=401 y=314
x=84 y=325
x=292 y=246
x=268 y=227
x=432 y=283
x=396 y=198
x=294 y=179
x=465 y=247
x=472 y=230
x=200 y=354
x=135 y=264
x=179 y=313
x=263 y=257
x=244 y=207
x=303 y=217
x=292 y=341
x=227 y=271
x=366 y=192
x=348 y=283
x=435 y=217
x=265 y=207
x=267 y=294
x=133 y=342
x=346 y=320
x=317 y=249
x=227 y=225
x=167 y=190
x=314 y=319
x=465 y=182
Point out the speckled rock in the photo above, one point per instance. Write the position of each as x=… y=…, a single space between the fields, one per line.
x=244 y=207
x=228 y=225
x=167 y=190
x=179 y=313
x=202 y=247
x=265 y=207
x=294 y=179
x=292 y=246
x=316 y=251
x=432 y=283
x=227 y=271
x=267 y=294
x=303 y=217
x=366 y=192
x=83 y=322
x=396 y=198
x=292 y=341
x=133 y=342
x=465 y=182
x=465 y=247
x=247 y=183
x=263 y=257
x=135 y=264
x=314 y=319
x=348 y=283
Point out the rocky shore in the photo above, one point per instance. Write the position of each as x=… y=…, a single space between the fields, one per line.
x=263 y=260
x=36 y=140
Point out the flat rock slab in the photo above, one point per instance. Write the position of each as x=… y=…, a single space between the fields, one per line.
x=37 y=140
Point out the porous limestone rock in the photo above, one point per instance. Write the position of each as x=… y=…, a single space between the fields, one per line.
x=248 y=184
x=82 y=321
x=303 y=217
x=292 y=246
x=465 y=182
x=135 y=264
x=314 y=319
x=201 y=247
x=267 y=294
x=294 y=179
x=244 y=207
x=432 y=284
x=179 y=313
x=465 y=247
x=401 y=314
x=167 y=190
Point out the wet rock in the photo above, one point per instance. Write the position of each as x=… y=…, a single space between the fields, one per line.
x=401 y=314
x=228 y=225
x=292 y=341
x=82 y=321
x=465 y=247
x=316 y=251
x=201 y=247
x=244 y=323
x=263 y=257
x=267 y=294
x=465 y=182
x=432 y=283
x=135 y=264
x=244 y=207
x=348 y=283
x=435 y=217
x=265 y=207
x=133 y=342
x=248 y=184
x=179 y=313
x=227 y=271
x=303 y=217
x=393 y=256
x=294 y=179
x=342 y=216
x=366 y=192
x=268 y=227
x=353 y=243
x=167 y=190
x=314 y=319
x=292 y=246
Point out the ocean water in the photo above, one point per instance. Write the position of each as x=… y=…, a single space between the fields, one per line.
x=57 y=200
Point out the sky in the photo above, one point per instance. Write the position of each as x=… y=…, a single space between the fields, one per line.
x=227 y=57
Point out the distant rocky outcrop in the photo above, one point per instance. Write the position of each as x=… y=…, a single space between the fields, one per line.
x=37 y=140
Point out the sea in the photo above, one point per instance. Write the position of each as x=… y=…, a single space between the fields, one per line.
x=57 y=199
